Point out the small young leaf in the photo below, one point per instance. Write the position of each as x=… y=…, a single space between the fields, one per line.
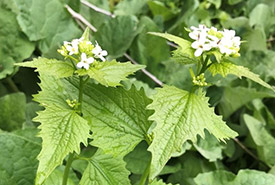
x=158 y=182
x=104 y=169
x=181 y=116
x=224 y=68
x=110 y=73
x=52 y=67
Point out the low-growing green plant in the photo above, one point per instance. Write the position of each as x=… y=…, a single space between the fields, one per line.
x=84 y=102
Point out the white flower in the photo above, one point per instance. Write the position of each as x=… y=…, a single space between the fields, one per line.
x=229 y=43
x=200 y=46
x=85 y=62
x=72 y=47
x=99 y=53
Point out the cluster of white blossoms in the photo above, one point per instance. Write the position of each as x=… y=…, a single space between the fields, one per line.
x=85 y=52
x=210 y=38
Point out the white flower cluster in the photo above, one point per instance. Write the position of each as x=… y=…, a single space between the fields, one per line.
x=84 y=50
x=210 y=38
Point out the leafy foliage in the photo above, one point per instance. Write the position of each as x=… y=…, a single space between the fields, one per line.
x=111 y=73
x=185 y=115
x=225 y=68
x=104 y=169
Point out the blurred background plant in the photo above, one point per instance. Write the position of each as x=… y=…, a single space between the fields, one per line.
x=32 y=28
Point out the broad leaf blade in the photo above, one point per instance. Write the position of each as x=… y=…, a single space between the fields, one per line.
x=181 y=116
x=18 y=157
x=110 y=73
x=104 y=169
x=62 y=131
x=224 y=68
x=52 y=67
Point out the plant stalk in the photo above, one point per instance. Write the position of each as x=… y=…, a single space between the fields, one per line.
x=145 y=174
x=67 y=169
x=80 y=95
x=12 y=84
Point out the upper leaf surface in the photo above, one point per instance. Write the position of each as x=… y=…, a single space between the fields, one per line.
x=224 y=68
x=104 y=169
x=181 y=116
x=110 y=73
x=18 y=157
x=117 y=117
x=62 y=131
x=53 y=67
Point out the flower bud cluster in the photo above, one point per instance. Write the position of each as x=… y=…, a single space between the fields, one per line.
x=84 y=51
x=199 y=80
x=210 y=38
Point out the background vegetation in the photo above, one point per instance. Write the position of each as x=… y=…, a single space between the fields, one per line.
x=33 y=28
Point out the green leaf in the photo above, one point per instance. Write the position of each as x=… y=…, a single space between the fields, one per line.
x=104 y=169
x=15 y=46
x=261 y=15
x=52 y=67
x=158 y=182
x=118 y=118
x=138 y=159
x=62 y=131
x=181 y=116
x=12 y=109
x=110 y=73
x=56 y=177
x=130 y=7
x=144 y=48
x=185 y=53
x=116 y=35
x=263 y=139
x=47 y=21
x=228 y=178
x=234 y=98
x=159 y=8
x=18 y=157
x=224 y=68
x=209 y=147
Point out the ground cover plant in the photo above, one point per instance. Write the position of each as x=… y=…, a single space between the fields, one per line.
x=137 y=92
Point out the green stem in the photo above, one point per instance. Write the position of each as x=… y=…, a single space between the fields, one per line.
x=145 y=174
x=67 y=169
x=80 y=95
x=12 y=84
x=205 y=66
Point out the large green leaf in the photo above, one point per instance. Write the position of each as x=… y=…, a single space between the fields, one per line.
x=110 y=73
x=18 y=157
x=144 y=48
x=116 y=35
x=260 y=15
x=222 y=177
x=47 y=21
x=234 y=98
x=53 y=67
x=56 y=177
x=12 y=109
x=15 y=46
x=104 y=169
x=117 y=117
x=224 y=68
x=130 y=7
x=181 y=116
x=264 y=140
x=62 y=131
